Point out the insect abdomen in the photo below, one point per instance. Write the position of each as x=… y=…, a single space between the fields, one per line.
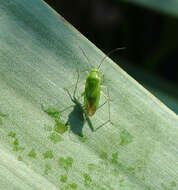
x=92 y=94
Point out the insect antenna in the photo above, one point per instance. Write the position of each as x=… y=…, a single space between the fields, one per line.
x=109 y=53
x=83 y=53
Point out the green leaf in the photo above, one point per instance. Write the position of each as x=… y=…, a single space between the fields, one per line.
x=169 y=7
x=39 y=57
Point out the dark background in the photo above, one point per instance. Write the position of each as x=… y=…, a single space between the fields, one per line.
x=149 y=35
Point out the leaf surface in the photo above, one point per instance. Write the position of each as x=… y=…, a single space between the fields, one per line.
x=39 y=57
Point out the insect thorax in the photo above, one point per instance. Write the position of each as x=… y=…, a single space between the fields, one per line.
x=93 y=80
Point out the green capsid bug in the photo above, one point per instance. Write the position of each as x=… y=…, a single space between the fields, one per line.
x=93 y=88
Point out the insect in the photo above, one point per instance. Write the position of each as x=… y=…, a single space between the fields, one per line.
x=93 y=90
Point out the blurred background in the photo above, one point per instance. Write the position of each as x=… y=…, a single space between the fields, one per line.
x=147 y=28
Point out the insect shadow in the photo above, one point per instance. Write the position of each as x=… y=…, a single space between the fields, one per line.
x=77 y=119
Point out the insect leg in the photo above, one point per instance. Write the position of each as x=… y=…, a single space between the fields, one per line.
x=72 y=98
x=66 y=108
x=108 y=99
x=70 y=86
